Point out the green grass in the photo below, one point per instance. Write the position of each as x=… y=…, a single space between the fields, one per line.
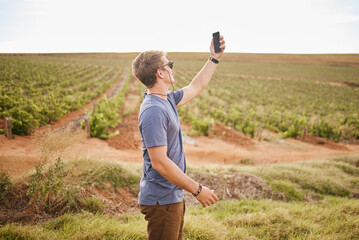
x=333 y=218
x=249 y=219
x=290 y=190
x=336 y=176
x=319 y=205
x=80 y=226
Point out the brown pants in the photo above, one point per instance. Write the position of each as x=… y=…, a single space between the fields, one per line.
x=164 y=221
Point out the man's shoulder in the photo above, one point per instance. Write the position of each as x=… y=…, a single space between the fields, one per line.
x=176 y=96
x=152 y=110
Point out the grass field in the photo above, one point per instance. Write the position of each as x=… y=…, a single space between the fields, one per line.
x=320 y=203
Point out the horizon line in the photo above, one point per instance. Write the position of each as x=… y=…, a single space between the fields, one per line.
x=89 y=52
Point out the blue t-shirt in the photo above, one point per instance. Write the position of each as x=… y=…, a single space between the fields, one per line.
x=159 y=126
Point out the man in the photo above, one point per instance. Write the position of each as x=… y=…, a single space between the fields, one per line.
x=164 y=165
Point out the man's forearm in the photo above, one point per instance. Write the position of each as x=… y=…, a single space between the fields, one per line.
x=201 y=80
x=174 y=174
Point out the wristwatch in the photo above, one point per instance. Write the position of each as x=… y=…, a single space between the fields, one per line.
x=216 y=61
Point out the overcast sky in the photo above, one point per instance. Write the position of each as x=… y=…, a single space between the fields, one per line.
x=258 y=26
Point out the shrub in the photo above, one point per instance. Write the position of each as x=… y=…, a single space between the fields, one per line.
x=22 y=122
x=93 y=204
x=322 y=129
x=105 y=115
x=246 y=161
x=248 y=126
x=47 y=189
x=296 y=128
x=116 y=175
x=5 y=185
x=200 y=125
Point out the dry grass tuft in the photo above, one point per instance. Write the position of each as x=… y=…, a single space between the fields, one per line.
x=54 y=144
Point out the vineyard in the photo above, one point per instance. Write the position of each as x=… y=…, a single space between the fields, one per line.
x=285 y=98
x=248 y=92
x=35 y=92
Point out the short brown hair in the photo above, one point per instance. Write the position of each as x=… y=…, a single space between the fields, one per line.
x=145 y=66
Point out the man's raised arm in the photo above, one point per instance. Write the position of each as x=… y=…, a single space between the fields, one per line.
x=201 y=80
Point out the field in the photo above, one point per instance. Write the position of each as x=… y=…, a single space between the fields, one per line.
x=321 y=97
x=282 y=97
x=275 y=135
x=89 y=199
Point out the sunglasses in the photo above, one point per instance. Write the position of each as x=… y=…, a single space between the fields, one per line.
x=170 y=64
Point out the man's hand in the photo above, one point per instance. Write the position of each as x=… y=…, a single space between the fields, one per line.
x=206 y=197
x=222 y=46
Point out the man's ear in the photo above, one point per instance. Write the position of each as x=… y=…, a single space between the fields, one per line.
x=159 y=73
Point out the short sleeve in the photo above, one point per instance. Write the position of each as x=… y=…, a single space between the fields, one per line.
x=153 y=124
x=177 y=95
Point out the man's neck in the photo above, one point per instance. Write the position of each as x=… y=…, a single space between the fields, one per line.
x=159 y=91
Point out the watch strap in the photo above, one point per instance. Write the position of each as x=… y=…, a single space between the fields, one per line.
x=216 y=61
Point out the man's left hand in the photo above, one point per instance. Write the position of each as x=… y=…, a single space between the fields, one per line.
x=222 y=46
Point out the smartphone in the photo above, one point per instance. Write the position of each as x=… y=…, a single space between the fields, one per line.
x=216 y=39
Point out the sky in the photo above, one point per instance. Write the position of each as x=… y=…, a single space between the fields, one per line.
x=249 y=26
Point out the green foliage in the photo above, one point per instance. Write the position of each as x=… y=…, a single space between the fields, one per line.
x=291 y=191
x=200 y=125
x=5 y=185
x=350 y=126
x=322 y=129
x=34 y=93
x=116 y=175
x=56 y=188
x=22 y=122
x=93 y=204
x=296 y=128
x=327 y=177
x=106 y=113
x=248 y=126
x=246 y=161
x=50 y=190
x=285 y=98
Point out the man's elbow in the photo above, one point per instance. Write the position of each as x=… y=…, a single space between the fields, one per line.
x=157 y=164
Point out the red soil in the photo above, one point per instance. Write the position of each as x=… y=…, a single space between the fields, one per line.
x=128 y=137
x=22 y=153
